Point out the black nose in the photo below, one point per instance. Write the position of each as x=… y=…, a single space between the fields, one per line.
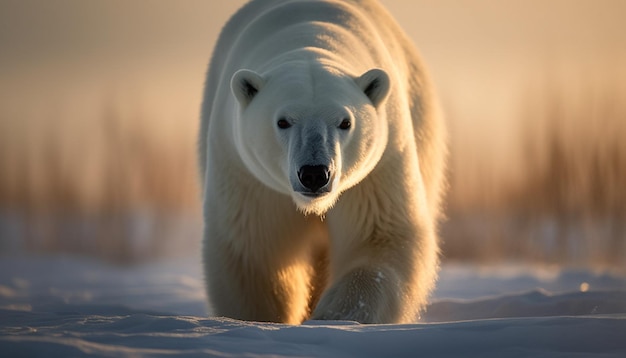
x=314 y=177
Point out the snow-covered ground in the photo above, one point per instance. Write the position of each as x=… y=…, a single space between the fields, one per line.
x=69 y=307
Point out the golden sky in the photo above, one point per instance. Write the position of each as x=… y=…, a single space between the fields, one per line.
x=119 y=45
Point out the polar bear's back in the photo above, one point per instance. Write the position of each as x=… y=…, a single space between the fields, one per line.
x=366 y=36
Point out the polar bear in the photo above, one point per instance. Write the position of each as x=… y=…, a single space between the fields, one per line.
x=322 y=158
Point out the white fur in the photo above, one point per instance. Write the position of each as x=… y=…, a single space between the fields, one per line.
x=333 y=84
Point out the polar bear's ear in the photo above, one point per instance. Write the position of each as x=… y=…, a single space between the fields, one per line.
x=245 y=84
x=375 y=85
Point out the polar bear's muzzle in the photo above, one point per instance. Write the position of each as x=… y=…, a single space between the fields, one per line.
x=315 y=179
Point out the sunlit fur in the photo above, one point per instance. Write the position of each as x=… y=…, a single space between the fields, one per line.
x=364 y=247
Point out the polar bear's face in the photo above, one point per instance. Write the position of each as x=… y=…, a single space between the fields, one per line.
x=310 y=133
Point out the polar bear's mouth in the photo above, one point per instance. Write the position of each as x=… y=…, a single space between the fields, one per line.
x=314 y=195
x=314 y=202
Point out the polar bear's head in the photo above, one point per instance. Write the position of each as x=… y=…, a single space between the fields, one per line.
x=310 y=132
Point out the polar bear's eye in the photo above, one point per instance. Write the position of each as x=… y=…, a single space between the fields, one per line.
x=283 y=123
x=345 y=124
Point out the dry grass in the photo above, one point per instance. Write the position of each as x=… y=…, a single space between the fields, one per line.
x=109 y=187
x=569 y=205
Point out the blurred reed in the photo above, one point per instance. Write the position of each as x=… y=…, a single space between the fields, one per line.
x=565 y=202
x=110 y=186
x=104 y=186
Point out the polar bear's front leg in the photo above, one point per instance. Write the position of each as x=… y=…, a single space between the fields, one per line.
x=258 y=254
x=365 y=295
x=384 y=261
x=379 y=292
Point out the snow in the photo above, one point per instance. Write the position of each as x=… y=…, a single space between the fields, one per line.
x=72 y=307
